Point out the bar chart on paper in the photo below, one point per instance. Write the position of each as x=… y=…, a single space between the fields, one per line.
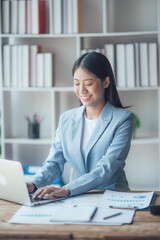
x=126 y=199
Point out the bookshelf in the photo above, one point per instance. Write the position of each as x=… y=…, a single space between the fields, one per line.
x=99 y=26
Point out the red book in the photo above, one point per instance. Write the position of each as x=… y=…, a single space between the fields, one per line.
x=38 y=16
x=42 y=16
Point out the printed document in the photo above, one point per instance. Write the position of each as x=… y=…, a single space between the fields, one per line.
x=138 y=200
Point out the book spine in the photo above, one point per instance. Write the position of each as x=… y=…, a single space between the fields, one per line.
x=6 y=8
x=144 y=76
x=40 y=70
x=14 y=17
x=137 y=64
x=29 y=17
x=20 y=66
x=130 y=65
x=14 y=66
x=69 y=14
x=153 y=64
x=65 y=17
x=121 y=65
x=48 y=69
x=57 y=16
x=22 y=16
x=25 y=66
x=51 y=16
x=41 y=16
x=6 y=65
x=34 y=50
x=35 y=17
x=110 y=54
x=75 y=16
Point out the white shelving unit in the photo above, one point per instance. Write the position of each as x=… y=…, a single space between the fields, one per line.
x=102 y=22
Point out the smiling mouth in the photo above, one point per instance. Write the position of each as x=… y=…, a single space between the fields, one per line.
x=85 y=98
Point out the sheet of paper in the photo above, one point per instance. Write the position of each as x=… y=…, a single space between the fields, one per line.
x=44 y=215
x=126 y=199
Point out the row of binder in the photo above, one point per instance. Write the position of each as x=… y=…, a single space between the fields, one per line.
x=134 y=64
x=26 y=66
x=40 y=16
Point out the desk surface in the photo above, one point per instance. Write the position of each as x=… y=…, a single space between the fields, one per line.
x=144 y=226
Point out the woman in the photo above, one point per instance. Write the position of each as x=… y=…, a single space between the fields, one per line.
x=94 y=138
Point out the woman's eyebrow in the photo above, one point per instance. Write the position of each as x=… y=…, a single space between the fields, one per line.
x=88 y=79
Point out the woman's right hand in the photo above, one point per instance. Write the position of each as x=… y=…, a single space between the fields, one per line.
x=30 y=187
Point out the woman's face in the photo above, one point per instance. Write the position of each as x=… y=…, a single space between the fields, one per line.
x=89 y=89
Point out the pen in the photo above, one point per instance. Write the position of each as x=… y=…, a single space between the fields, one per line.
x=93 y=214
x=125 y=208
x=113 y=215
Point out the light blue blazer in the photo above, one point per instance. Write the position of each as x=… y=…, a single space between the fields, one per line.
x=106 y=152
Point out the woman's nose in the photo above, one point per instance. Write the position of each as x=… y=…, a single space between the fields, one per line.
x=82 y=89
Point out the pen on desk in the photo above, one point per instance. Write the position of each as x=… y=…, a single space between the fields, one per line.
x=93 y=214
x=125 y=208
x=113 y=215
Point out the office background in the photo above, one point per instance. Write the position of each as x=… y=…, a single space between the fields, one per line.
x=99 y=23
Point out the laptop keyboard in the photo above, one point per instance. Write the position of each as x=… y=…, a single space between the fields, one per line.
x=37 y=199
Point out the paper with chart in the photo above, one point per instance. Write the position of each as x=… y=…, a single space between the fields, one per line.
x=45 y=214
x=138 y=200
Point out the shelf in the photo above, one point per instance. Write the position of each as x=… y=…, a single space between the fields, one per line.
x=109 y=34
x=27 y=141
x=34 y=89
x=71 y=89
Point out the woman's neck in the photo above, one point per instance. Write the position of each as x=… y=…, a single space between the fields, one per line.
x=93 y=112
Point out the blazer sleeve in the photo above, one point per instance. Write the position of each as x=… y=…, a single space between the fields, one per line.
x=113 y=160
x=53 y=165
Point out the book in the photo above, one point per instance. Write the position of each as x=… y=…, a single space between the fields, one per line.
x=110 y=54
x=121 y=65
x=20 y=66
x=34 y=50
x=25 y=66
x=64 y=17
x=14 y=17
x=130 y=65
x=22 y=16
x=75 y=16
x=69 y=14
x=40 y=70
x=51 y=16
x=57 y=16
x=28 y=17
x=6 y=8
x=144 y=68
x=6 y=65
x=38 y=13
x=48 y=69
x=153 y=64
x=14 y=65
x=137 y=63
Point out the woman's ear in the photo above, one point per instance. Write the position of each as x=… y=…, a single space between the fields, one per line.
x=106 y=82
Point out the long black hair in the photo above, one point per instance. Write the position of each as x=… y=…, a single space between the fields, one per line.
x=97 y=64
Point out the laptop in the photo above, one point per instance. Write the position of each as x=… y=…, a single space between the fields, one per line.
x=13 y=187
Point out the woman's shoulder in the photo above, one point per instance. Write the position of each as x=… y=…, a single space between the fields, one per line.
x=72 y=113
x=120 y=112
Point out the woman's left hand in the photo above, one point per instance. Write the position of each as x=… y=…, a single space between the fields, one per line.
x=51 y=192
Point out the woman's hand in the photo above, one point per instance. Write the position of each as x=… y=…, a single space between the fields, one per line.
x=30 y=187
x=51 y=192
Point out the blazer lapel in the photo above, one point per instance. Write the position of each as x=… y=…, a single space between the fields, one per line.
x=102 y=123
x=77 y=125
